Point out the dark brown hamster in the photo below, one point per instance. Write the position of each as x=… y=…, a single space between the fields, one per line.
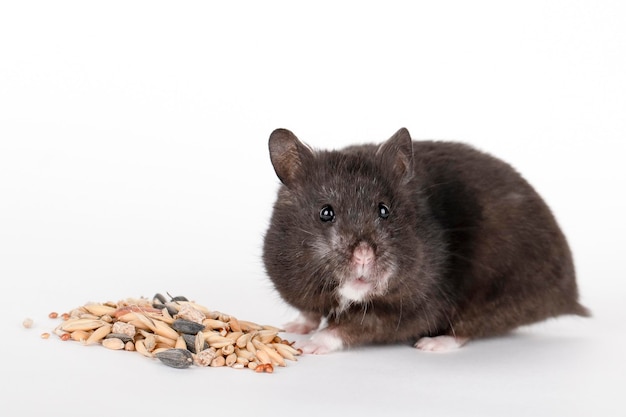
x=433 y=243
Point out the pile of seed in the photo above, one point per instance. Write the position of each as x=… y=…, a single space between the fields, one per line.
x=178 y=332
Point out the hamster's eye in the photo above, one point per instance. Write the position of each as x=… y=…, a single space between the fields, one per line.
x=327 y=214
x=383 y=210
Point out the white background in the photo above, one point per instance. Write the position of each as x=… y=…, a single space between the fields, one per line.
x=133 y=160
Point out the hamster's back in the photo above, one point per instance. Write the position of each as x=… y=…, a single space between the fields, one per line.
x=508 y=258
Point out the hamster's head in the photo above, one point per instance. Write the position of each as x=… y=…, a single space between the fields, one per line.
x=343 y=224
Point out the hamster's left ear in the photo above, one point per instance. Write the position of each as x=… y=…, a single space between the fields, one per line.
x=397 y=155
x=288 y=155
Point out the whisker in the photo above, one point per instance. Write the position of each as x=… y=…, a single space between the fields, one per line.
x=364 y=312
x=306 y=231
x=399 y=315
x=473 y=262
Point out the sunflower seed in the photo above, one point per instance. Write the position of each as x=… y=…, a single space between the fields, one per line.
x=159 y=298
x=123 y=337
x=190 y=340
x=187 y=326
x=176 y=358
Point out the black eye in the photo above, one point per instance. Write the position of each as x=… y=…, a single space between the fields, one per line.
x=383 y=210
x=327 y=214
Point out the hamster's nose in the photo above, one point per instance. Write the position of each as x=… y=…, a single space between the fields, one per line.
x=363 y=254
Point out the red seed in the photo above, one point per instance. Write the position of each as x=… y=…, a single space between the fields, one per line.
x=53 y=315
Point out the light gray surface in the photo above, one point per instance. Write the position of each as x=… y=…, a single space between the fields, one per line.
x=133 y=160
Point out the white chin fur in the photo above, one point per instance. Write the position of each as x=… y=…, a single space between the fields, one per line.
x=353 y=292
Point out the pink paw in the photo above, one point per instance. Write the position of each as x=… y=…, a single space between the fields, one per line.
x=440 y=343
x=322 y=342
x=298 y=328
x=303 y=324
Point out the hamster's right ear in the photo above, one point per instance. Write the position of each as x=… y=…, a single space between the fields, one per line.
x=288 y=155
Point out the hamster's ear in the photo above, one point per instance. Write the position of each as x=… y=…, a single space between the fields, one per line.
x=288 y=155
x=397 y=155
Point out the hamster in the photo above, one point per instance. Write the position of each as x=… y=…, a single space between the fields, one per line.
x=431 y=243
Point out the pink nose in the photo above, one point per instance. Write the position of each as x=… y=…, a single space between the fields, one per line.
x=363 y=254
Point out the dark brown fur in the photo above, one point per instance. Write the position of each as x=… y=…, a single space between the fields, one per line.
x=476 y=251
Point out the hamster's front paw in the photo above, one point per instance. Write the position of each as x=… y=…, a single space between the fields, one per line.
x=324 y=341
x=440 y=343
x=303 y=324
